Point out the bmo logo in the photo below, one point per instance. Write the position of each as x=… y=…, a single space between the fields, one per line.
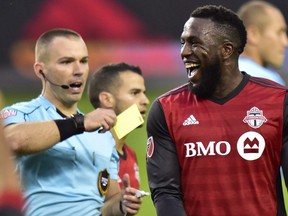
x=213 y=148
x=250 y=146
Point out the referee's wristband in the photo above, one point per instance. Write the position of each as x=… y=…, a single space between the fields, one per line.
x=79 y=122
x=70 y=126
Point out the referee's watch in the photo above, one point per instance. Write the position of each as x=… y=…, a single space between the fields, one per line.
x=79 y=122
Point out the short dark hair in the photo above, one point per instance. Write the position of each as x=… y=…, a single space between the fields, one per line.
x=106 y=78
x=46 y=37
x=227 y=22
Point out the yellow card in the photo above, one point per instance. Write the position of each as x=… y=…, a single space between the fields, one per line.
x=127 y=121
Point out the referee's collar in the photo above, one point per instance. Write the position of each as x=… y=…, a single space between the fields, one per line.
x=48 y=105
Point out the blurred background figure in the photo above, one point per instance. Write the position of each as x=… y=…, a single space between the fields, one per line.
x=118 y=86
x=266 y=40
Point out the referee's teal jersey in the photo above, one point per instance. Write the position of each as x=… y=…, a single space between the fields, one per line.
x=63 y=180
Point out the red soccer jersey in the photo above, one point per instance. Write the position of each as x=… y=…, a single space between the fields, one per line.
x=228 y=150
x=11 y=203
x=128 y=164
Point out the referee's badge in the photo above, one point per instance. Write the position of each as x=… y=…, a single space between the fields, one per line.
x=103 y=182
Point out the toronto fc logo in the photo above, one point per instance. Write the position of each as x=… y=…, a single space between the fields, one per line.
x=255 y=118
x=150 y=147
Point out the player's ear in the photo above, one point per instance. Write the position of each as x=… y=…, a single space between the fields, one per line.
x=227 y=50
x=106 y=99
x=38 y=69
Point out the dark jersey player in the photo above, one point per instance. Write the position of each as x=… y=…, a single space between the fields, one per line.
x=215 y=145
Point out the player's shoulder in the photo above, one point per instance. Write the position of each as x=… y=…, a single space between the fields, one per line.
x=129 y=150
x=173 y=92
x=24 y=106
x=267 y=83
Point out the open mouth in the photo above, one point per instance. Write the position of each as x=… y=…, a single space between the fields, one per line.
x=76 y=85
x=143 y=113
x=191 y=69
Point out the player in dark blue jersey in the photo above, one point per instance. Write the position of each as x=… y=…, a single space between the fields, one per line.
x=215 y=144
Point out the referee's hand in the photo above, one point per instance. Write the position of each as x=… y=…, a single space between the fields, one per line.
x=130 y=202
x=100 y=118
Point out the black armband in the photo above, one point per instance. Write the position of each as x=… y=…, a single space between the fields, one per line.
x=70 y=126
x=79 y=122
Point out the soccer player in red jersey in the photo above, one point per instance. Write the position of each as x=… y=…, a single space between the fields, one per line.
x=118 y=86
x=216 y=144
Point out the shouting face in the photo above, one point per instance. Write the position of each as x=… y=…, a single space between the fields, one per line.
x=200 y=54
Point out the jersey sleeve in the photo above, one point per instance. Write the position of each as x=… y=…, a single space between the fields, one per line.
x=114 y=165
x=11 y=203
x=164 y=174
x=284 y=156
x=10 y=115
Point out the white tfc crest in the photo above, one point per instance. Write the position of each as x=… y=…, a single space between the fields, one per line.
x=255 y=118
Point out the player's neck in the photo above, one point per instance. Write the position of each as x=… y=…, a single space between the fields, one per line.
x=119 y=145
x=65 y=108
x=253 y=55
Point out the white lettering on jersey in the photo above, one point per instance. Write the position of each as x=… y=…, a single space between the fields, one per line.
x=250 y=146
x=213 y=148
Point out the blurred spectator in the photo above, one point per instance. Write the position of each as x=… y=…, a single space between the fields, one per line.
x=266 y=40
x=118 y=86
